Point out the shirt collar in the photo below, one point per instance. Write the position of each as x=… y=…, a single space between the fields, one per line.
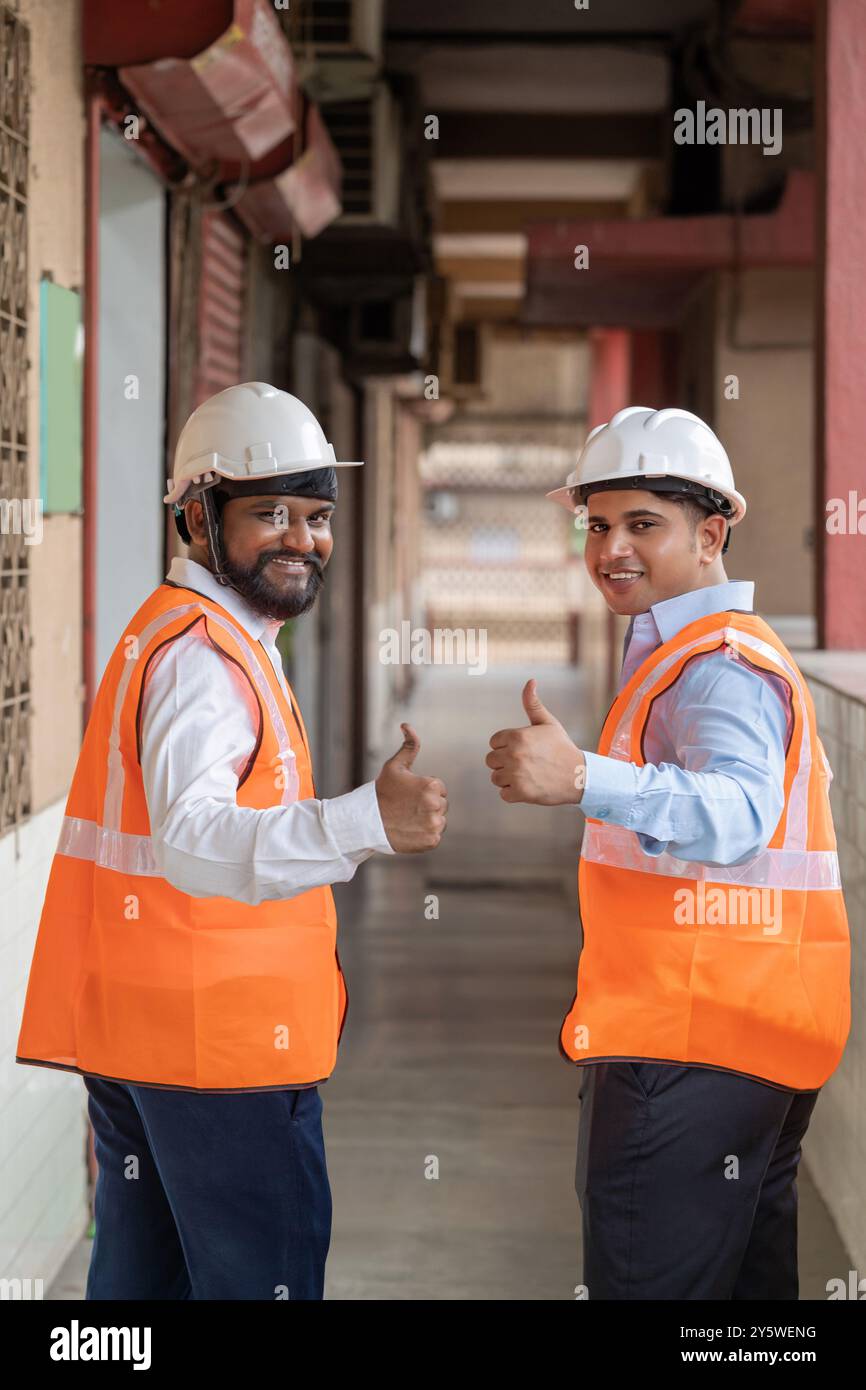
x=673 y=614
x=192 y=575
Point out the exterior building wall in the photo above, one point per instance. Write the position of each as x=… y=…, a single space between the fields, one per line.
x=835 y=1147
x=764 y=326
x=55 y=247
x=43 y=1168
x=43 y=1142
x=537 y=373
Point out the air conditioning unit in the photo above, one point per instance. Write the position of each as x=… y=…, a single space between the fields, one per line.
x=337 y=45
x=368 y=139
x=389 y=335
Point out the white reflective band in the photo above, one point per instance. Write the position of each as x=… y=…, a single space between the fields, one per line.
x=796 y=825
x=111 y=813
x=799 y=870
x=114 y=786
x=111 y=849
x=286 y=753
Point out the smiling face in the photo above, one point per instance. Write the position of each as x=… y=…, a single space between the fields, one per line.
x=642 y=548
x=275 y=549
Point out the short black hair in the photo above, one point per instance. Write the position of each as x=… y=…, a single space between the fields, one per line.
x=694 y=509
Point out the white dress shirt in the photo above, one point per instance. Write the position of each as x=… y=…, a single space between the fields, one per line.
x=198 y=729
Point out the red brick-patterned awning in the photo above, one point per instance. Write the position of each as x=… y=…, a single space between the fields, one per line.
x=297 y=188
x=216 y=77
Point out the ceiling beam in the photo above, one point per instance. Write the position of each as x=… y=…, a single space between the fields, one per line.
x=461 y=38
x=546 y=135
x=495 y=310
x=512 y=215
x=477 y=268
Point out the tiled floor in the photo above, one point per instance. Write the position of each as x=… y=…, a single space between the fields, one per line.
x=449 y=1058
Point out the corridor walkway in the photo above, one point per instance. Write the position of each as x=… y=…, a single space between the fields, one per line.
x=450 y=1048
x=449 y=1059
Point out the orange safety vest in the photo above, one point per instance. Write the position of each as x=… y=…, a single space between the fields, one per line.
x=742 y=968
x=134 y=980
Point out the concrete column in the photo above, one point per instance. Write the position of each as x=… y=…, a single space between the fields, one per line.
x=841 y=339
x=610 y=391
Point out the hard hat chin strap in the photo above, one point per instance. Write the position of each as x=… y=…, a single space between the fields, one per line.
x=214 y=538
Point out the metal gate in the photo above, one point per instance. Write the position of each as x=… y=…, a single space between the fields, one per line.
x=496 y=554
x=14 y=486
x=220 y=306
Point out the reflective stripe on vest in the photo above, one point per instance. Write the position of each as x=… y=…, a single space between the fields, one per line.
x=662 y=975
x=136 y=981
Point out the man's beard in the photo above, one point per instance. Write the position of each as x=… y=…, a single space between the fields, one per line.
x=253 y=584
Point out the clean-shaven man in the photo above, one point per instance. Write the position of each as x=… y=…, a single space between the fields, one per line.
x=186 y=962
x=713 y=984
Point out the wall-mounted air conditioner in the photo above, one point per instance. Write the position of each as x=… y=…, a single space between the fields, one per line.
x=367 y=135
x=390 y=334
x=338 y=46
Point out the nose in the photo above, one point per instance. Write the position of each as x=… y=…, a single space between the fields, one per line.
x=298 y=536
x=617 y=546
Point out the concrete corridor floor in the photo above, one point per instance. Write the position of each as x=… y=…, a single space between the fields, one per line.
x=450 y=1047
x=449 y=1062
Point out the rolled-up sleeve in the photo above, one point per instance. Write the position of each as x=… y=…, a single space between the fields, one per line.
x=720 y=803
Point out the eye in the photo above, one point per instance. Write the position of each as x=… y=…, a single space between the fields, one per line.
x=597 y=527
x=644 y=523
x=321 y=518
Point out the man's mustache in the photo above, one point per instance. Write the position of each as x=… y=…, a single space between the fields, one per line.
x=292 y=555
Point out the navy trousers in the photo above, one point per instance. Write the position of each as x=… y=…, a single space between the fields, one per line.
x=208 y=1196
x=686 y=1179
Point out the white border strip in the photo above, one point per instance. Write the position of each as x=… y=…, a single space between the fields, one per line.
x=799 y=870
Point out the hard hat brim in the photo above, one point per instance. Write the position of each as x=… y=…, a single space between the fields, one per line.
x=564 y=495
x=222 y=469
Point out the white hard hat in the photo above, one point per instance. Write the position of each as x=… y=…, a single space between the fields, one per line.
x=245 y=433
x=656 y=450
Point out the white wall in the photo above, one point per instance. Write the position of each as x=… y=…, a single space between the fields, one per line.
x=43 y=1168
x=43 y=1133
x=131 y=467
x=835 y=1146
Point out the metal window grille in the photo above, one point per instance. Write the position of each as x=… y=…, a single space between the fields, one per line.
x=495 y=553
x=15 y=640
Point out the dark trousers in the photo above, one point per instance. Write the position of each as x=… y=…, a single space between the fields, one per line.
x=208 y=1196
x=686 y=1179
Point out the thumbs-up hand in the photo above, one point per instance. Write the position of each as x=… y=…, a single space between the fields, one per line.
x=413 y=808
x=538 y=764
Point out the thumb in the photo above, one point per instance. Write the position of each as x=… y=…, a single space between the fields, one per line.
x=533 y=706
x=408 y=750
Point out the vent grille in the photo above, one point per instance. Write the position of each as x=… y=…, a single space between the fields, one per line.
x=330 y=23
x=15 y=640
x=350 y=126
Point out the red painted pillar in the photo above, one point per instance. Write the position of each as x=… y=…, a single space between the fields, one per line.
x=840 y=395
x=653 y=368
x=610 y=373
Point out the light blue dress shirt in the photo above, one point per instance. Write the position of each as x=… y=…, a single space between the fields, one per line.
x=712 y=788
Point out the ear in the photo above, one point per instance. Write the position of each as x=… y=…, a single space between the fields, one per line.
x=194 y=517
x=711 y=533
